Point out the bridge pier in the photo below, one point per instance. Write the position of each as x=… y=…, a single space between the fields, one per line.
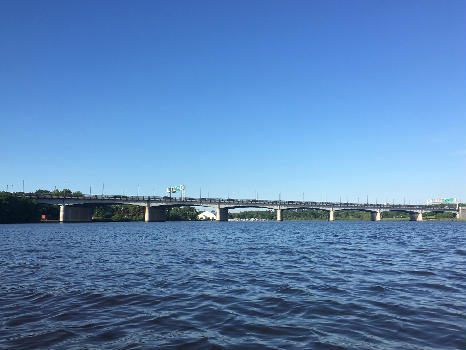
x=461 y=214
x=155 y=214
x=72 y=213
x=222 y=214
x=415 y=216
x=331 y=215
x=279 y=215
x=376 y=215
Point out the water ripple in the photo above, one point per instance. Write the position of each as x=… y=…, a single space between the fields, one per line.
x=260 y=285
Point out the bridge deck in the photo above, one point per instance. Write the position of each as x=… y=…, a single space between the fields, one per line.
x=232 y=203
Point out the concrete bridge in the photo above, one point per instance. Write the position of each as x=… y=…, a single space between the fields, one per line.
x=78 y=208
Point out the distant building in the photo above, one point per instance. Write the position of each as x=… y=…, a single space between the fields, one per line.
x=207 y=215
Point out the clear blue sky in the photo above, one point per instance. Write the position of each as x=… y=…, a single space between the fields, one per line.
x=329 y=98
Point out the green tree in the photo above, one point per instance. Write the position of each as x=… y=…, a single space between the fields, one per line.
x=182 y=214
x=64 y=192
x=17 y=210
x=40 y=192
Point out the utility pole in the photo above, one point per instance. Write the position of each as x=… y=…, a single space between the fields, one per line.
x=90 y=190
x=103 y=186
x=23 y=186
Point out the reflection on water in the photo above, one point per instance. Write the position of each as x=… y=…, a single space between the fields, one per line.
x=236 y=285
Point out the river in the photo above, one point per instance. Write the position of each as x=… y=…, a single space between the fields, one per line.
x=233 y=285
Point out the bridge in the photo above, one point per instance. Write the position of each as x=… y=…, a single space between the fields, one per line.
x=78 y=208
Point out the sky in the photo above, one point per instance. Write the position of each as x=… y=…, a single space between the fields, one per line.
x=358 y=100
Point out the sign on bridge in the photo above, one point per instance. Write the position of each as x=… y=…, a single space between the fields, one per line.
x=442 y=201
x=174 y=189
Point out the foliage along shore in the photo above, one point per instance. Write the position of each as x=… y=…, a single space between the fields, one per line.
x=316 y=214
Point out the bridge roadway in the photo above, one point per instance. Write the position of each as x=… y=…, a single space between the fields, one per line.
x=77 y=208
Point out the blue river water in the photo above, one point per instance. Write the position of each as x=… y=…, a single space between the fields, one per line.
x=233 y=285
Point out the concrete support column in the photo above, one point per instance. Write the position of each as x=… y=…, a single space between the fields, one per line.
x=415 y=216
x=331 y=215
x=64 y=213
x=73 y=213
x=461 y=214
x=222 y=214
x=376 y=215
x=279 y=215
x=155 y=214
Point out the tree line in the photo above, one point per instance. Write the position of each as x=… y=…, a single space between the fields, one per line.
x=317 y=214
x=123 y=212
